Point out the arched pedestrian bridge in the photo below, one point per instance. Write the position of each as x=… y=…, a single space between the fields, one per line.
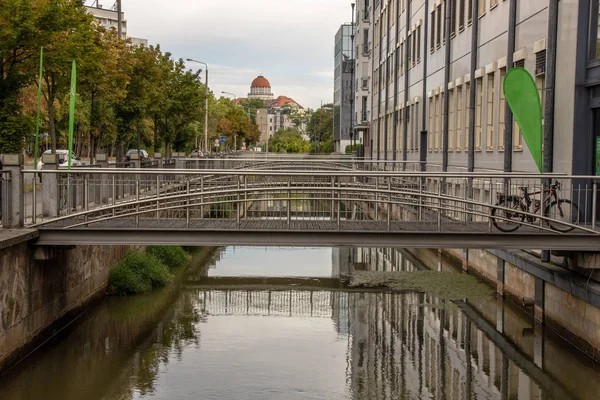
x=313 y=202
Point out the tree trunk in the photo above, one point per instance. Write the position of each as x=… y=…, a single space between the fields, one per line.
x=156 y=148
x=51 y=128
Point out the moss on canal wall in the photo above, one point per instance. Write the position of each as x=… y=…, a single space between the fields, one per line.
x=141 y=272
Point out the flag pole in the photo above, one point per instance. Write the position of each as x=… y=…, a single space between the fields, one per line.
x=39 y=105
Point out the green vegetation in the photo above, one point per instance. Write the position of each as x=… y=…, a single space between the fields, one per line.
x=288 y=141
x=320 y=129
x=357 y=148
x=141 y=272
x=171 y=256
x=447 y=285
x=125 y=92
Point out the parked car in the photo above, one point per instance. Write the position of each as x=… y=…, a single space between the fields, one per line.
x=143 y=154
x=63 y=159
x=196 y=153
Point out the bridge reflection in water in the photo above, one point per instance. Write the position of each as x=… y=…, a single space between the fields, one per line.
x=406 y=345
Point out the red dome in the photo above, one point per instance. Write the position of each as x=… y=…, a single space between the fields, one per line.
x=260 y=82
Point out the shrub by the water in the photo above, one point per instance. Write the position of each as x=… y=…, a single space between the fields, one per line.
x=138 y=273
x=171 y=256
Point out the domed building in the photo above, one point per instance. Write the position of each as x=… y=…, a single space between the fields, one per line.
x=260 y=89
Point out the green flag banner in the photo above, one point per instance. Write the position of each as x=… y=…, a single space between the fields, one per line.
x=523 y=99
x=72 y=109
x=39 y=106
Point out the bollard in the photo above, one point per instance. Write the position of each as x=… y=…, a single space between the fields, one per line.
x=16 y=200
x=50 y=191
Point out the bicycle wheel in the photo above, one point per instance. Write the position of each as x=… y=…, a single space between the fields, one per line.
x=508 y=221
x=562 y=211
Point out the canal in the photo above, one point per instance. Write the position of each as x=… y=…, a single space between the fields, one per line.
x=211 y=336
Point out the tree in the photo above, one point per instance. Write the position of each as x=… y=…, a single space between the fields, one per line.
x=252 y=106
x=321 y=125
x=288 y=141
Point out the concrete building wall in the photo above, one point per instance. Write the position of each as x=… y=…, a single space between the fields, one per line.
x=36 y=295
x=389 y=117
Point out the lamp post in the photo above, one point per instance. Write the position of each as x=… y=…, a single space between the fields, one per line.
x=205 y=106
x=352 y=94
x=235 y=102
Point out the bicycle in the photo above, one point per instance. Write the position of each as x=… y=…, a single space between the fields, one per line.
x=555 y=208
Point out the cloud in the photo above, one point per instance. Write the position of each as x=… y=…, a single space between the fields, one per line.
x=291 y=42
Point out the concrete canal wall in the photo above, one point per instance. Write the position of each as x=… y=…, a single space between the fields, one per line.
x=565 y=300
x=41 y=291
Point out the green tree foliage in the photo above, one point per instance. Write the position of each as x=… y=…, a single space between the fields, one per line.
x=138 y=273
x=126 y=94
x=320 y=129
x=171 y=256
x=252 y=106
x=288 y=141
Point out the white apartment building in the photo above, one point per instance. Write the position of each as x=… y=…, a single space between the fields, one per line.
x=109 y=19
x=362 y=85
x=408 y=101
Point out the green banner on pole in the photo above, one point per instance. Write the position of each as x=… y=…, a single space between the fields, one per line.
x=72 y=109
x=523 y=98
x=39 y=106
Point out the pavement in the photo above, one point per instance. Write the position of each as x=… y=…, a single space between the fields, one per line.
x=12 y=237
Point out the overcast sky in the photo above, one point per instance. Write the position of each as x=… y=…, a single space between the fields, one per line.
x=290 y=42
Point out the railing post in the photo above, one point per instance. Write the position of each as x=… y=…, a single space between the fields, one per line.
x=439 y=217
x=137 y=199
x=5 y=198
x=237 y=204
x=187 y=202
x=289 y=202
x=50 y=189
x=389 y=207
x=332 y=198
x=202 y=197
x=594 y=204
x=16 y=198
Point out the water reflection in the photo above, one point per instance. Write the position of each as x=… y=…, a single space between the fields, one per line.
x=273 y=344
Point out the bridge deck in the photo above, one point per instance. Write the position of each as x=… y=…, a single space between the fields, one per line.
x=311 y=233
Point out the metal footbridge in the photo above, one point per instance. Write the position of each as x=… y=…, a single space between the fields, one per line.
x=322 y=202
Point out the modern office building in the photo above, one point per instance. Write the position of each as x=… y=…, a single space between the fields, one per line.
x=109 y=19
x=342 y=88
x=408 y=101
x=362 y=84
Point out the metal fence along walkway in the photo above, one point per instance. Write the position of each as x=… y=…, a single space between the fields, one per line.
x=338 y=202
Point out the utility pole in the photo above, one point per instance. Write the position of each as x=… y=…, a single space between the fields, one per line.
x=205 y=104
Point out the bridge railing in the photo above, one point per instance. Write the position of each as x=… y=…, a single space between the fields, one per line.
x=321 y=199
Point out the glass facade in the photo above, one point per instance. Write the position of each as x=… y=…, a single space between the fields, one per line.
x=342 y=91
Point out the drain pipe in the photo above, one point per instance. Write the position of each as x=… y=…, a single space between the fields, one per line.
x=548 y=151
x=395 y=114
x=550 y=81
x=406 y=83
x=508 y=116
x=446 y=115
x=423 y=142
x=472 y=100
x=472 y=88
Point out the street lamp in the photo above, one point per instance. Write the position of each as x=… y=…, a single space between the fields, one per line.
x=235 y=102
x=205 y=106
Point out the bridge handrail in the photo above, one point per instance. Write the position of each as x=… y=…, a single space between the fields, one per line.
x=350 y=173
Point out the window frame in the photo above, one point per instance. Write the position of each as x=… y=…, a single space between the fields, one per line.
x=593 y=38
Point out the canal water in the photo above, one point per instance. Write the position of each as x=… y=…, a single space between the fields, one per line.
x=197 y=341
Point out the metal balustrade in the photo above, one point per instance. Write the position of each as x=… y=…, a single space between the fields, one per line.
x=316 y=195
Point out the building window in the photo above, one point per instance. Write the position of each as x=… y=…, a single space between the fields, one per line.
x=478 y=112
x=467 y=116
x=595 y=29
x=482 y=7
x=502 y=112
x=402 y=59
x=438 y=38
x=408 y=129
x=414 y=48
x=453 y=19
x=493 y=3
x=490 y=112
x=520 y=64
x=408 y=44
x=399 y=129
x=439 y=99
x=470 y=12
x=431 y=122
x=419 y=44
x=451 y=139
x=444 y=20
x=461 y=16
x=459 y=118
x=540 y=78
x=432 y=40
x=415 y=119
